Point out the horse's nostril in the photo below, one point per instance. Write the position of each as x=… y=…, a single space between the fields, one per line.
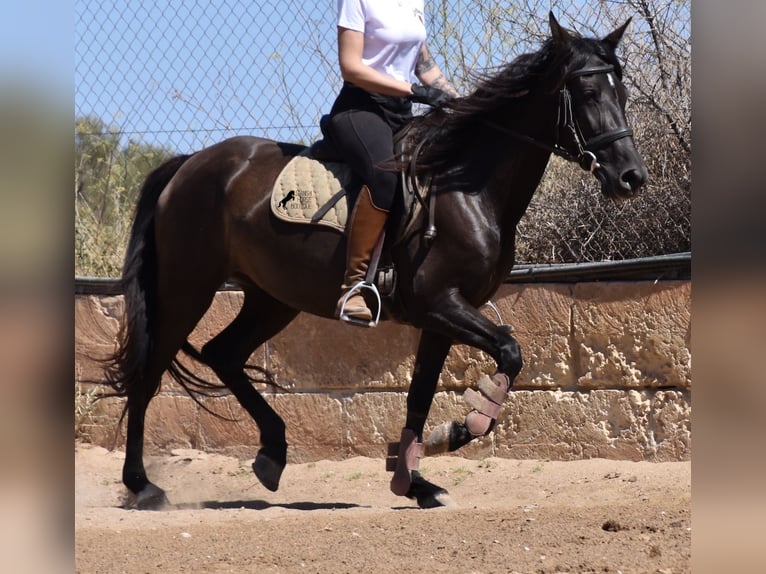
x=633 y=179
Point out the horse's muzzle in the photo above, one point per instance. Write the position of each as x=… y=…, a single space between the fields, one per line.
x=623 y=186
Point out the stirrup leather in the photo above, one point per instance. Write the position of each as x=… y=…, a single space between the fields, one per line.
x=355 y=289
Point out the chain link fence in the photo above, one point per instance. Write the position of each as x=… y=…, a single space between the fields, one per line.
x=174 y=76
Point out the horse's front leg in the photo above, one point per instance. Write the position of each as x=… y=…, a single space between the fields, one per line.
x=404 y=456
x=463 y=323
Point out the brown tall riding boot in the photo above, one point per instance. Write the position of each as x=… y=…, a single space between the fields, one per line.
x=364 y=229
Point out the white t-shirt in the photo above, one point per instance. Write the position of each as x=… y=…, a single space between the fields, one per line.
x=394 y=32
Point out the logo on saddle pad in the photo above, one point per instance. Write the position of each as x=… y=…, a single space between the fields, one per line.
x=310 y=191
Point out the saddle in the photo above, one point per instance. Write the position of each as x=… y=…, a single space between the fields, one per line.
x=317 y=187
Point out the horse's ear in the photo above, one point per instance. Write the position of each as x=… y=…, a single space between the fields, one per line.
x=614 y=38
x=560 y=35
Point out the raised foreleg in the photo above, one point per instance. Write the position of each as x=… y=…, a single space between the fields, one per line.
x=463 y=323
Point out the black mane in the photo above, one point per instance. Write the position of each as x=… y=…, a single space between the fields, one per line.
x=447 y=131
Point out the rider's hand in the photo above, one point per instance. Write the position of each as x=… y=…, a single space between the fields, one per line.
x=429 y=95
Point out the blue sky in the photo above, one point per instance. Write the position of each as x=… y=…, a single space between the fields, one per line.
x=160 y=69
x=188 y=73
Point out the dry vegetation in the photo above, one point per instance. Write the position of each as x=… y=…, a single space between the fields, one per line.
x=568 y=220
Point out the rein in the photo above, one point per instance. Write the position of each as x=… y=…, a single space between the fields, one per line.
x=583 y=155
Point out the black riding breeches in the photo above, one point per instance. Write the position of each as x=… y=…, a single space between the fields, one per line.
x=363 y=127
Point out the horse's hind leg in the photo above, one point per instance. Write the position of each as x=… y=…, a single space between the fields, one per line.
x=176 y=318
x=190 y=267
x=260 y=318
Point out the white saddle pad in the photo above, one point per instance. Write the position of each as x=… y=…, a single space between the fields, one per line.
x=310 y=191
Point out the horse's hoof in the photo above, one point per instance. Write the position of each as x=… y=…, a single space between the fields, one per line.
x=440 y=499
x=267 y=470
x=427 y=494
x=152 y=497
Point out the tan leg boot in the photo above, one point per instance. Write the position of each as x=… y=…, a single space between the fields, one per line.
x=364 y=229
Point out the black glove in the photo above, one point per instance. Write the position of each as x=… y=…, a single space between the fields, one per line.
x=429 y=95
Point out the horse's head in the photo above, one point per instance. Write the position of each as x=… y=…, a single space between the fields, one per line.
x=592 y=101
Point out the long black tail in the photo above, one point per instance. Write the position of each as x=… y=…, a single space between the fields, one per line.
x=126 y=367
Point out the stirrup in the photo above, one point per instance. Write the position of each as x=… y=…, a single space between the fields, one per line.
x=360 y=286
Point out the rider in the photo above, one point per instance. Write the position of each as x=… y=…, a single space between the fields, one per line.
x=382 y=50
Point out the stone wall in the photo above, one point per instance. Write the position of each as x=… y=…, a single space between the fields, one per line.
x=607 y=373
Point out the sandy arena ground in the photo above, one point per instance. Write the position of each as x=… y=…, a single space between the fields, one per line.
x=540 y=517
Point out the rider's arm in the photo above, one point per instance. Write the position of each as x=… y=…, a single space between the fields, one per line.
x=430 y=74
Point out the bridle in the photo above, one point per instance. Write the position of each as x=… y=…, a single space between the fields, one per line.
x=583 y=154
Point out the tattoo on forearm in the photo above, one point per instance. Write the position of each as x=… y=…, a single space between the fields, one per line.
x=442 y=83
x=425 y=62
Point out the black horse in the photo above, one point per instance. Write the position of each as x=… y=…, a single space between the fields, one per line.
x=204 y=219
